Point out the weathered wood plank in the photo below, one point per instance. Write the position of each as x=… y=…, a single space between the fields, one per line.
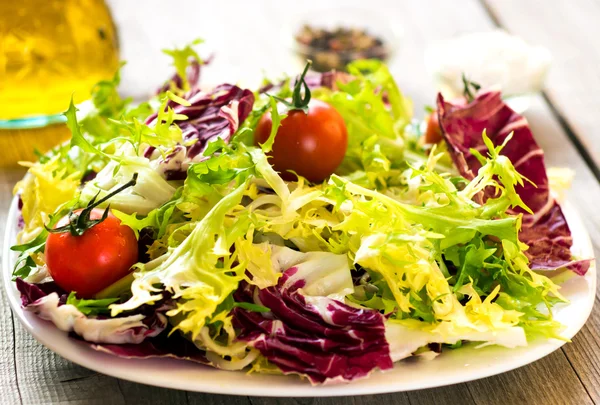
x=400 y=398
x=583 y=354
x=570 y=31
x=195 y=398
x=46 y=378
x=452 y=395
x=135 y=393
x=550 y=380
x=9 y=390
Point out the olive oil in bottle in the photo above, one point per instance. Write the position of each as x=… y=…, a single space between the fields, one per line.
x=49 y=51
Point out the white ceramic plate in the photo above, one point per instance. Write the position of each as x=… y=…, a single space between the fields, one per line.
x=451 y=367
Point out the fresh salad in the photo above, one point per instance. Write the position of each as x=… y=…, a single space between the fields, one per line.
x=310 y=227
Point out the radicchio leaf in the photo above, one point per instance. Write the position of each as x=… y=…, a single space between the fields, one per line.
x=210 y=115
x=33 y=292
x=319 y=337
x=47 y=301
x=549 y=245
x=165 y=345
x=546 y=231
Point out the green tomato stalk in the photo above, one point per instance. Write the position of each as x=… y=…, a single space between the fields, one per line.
x=79 y=224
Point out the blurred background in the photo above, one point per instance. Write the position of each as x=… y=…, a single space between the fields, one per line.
x=50 y=50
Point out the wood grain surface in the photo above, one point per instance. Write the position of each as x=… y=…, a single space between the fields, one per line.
x=31 y=374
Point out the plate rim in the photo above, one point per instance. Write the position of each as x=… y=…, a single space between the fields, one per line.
x=85 y=356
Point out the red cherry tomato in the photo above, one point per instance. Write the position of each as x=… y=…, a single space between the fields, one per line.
x=313 y=145
x=433 y=134
x=91 y=262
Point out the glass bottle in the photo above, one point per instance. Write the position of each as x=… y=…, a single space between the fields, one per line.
x=50 y=50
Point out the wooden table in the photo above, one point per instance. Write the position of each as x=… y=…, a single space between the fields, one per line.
x=564 y=119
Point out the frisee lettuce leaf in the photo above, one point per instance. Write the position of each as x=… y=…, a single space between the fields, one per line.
x=25 y=263
x=90 y=307
x=181 y=59
x=190 y=273
x=276 y=119
x=77 y=137
x=373 y=109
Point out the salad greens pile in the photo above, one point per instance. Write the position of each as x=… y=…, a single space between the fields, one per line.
x=396 y=251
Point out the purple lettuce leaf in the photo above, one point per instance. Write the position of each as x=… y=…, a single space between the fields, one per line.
x=211 y=115
x=155 y=345
x=164 y=345
x=48 y=302
x=546 y=232
x=30 y=293
x=549 y=244
x=319 y=337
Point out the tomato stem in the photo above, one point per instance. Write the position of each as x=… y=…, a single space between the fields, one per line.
x=298 y=101
x=467 y=92
x=79 y=223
